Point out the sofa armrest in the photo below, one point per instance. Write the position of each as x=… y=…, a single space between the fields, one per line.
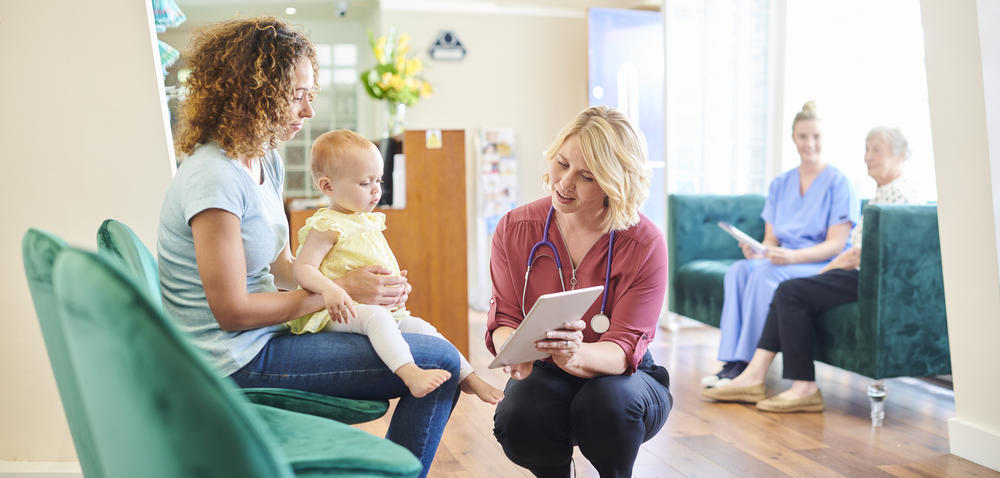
x=692 y=233
x=901 y=291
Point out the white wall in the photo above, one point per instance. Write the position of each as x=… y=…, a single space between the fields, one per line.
x=962 y=122
x=84 y=139
x=524 y=69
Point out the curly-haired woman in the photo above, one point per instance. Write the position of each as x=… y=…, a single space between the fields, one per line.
x=223 y=237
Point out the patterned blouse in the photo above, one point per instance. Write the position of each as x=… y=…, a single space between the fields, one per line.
x=898 y=191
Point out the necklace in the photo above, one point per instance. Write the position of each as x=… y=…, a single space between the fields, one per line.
x=572 y=279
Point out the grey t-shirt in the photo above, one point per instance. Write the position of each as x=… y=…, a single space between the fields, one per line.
x=209 y=179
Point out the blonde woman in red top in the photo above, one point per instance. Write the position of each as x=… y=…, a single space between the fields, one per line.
x=600 y=388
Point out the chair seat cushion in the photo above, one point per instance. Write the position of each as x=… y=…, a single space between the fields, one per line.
x=319 y=447
x=344 y=410
x=699 y=288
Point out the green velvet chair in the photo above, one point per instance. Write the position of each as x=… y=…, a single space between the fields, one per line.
x=38 y=251
x=897 y=328
x=116 y=239
x=155 y=408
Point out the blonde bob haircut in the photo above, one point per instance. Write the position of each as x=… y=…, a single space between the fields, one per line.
x=615 y=153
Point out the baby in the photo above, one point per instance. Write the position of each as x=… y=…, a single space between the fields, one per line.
x=347 y=168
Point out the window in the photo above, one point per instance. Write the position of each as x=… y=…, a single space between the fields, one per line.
x=336 y=107
x=719 y=85
x=863 y=63
x=738 y=71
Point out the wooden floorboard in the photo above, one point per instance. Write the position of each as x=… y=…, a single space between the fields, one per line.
x=706 y=439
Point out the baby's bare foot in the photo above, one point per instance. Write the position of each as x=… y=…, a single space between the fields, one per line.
x=482 y=389
x=420 y=381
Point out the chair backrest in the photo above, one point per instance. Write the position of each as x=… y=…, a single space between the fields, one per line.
x=38 y=252
x=156 y=408
x=117 y=239
x=693 y=232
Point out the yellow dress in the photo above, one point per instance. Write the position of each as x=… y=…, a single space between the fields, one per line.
x=360 y=243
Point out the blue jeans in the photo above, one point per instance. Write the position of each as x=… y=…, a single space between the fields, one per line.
x=345 y=365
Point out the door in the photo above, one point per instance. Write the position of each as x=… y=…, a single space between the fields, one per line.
x=625 y=63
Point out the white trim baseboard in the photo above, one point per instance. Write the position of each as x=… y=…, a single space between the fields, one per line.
x=974 y=443
x=40 y=469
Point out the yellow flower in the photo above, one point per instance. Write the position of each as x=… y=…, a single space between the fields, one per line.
x=380 y=49
x=396 y=82
x=395 y=74
x=413 y=66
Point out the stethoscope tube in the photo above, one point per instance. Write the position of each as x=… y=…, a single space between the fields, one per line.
x=601 y=317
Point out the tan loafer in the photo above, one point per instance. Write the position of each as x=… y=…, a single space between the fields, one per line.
x=809 y=403
x=729 y=393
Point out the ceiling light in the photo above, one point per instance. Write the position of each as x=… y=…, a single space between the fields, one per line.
x=290 y=11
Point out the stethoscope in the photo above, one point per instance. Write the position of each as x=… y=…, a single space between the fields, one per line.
x=600 y=322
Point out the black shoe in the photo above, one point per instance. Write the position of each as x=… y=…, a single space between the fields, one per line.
x=733 y=369
x=710 y=381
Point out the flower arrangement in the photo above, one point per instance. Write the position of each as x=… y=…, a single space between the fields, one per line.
x=394 y=76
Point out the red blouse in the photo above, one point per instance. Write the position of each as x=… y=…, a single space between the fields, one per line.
x=635 y=290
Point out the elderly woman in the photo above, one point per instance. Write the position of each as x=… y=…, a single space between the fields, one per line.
x=600 y=388
x=223 y=238
x=798 y=303
x=807 y=219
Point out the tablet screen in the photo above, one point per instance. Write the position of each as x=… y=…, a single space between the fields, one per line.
x=549 y=312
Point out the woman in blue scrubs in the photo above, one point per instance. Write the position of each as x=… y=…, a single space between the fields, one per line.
x=808 y=216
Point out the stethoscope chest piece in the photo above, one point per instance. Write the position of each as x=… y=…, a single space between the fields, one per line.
x=600 y=323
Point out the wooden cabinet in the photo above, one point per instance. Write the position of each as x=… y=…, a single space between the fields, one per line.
x=428 y=236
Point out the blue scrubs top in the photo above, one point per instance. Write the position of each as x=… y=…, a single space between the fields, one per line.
x=801 y=221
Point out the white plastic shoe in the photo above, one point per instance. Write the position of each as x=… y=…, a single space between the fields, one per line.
x=709 y=381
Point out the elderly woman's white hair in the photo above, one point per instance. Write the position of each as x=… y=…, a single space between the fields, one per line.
x=892 y=138
x=615 y=153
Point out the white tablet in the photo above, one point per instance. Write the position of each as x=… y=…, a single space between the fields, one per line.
x=549 y=312
x=743 y=237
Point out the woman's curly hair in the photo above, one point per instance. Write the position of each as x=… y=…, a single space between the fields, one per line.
x=241 y=85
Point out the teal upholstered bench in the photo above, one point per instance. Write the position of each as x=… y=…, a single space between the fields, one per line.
x=897 y=328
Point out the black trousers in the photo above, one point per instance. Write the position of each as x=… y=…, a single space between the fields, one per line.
x=542 y=416
x=791 y=321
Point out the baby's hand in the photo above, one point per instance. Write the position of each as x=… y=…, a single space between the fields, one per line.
x=339 y=304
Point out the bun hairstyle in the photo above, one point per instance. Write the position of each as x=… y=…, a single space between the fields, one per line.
x=808 y=112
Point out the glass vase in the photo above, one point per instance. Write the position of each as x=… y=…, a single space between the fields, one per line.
x=395 y=119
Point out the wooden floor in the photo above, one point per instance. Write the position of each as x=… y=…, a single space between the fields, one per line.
x=707 y=439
